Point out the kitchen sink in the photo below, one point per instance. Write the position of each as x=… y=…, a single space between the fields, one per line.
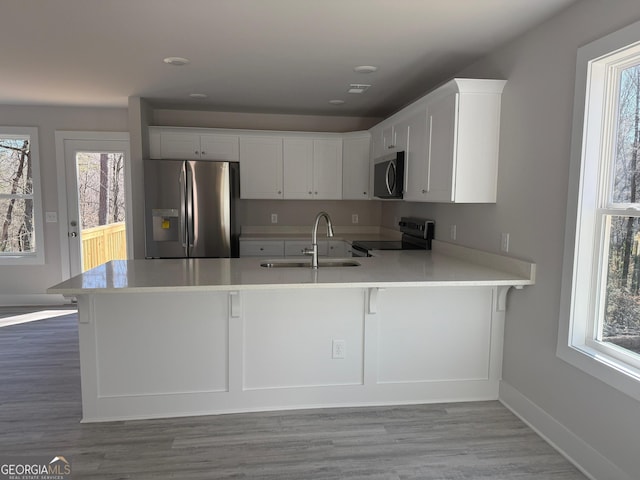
x=307 y=263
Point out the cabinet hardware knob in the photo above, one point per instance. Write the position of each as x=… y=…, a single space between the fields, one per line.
x=391 y=146
x=310 y=193
x=203 y=152
x=316 y=193
x=196 y=152
x=364 y=193
x=279 y=192
x=424 y=191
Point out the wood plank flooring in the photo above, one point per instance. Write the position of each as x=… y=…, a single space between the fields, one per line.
x=40 y=410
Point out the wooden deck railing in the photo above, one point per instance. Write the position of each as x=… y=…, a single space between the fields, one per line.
x=101 y=244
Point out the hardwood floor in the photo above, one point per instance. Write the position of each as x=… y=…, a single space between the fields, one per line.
x=40 y=411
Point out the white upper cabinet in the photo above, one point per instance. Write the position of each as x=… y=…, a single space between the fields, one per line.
x=412 y=135
x=450 y=138
x=261 y=167
x=312 y=168
x=298 y=168
x=356 y=154
x=327 y=169
x=189 y=144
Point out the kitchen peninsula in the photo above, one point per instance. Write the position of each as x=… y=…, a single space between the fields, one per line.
x=161 y=338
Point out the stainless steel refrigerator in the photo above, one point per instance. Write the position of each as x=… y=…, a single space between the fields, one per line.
x=190 y=209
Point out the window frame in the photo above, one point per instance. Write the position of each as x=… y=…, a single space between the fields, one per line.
x=37 y=257
x=598 y=68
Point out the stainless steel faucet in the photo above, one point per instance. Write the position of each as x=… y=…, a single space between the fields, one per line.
x=314 y=238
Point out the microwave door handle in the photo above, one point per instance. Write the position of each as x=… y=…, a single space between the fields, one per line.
x=390 y=167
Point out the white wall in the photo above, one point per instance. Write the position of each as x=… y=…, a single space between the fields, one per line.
x=16 y=281
x=533 y=177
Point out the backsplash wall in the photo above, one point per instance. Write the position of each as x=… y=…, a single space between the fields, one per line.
x=303 y=212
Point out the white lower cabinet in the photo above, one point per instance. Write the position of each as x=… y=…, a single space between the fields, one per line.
x=296 y=248
x=274 y=347
x=261 y=248
x=339 y=249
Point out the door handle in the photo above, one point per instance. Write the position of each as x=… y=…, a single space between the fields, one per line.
x=73 y=234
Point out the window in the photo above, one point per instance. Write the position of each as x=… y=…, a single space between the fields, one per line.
x=20 y=206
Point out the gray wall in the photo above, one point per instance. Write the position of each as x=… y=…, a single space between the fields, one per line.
x=533 y=176
x=35 y=279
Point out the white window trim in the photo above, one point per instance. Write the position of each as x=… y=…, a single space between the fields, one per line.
x=37 y=257
x=583 y=225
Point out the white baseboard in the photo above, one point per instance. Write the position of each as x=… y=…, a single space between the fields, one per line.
x=588 y=460
x=35 y=299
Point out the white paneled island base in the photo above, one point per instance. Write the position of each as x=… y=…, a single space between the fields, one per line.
x=151 y=352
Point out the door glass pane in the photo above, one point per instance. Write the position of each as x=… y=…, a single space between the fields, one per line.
x=100 y=180
x=621 y=323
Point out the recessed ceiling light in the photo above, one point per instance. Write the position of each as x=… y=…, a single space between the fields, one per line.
x=198 y=95
x=365 y=69
x=336 y=102
x=176 y=61
x=358 y=88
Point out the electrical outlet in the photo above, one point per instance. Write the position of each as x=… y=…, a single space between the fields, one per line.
x=274 y=218
x=354 y=218
x=51 y=217
x=338 y=349
x=453 y=232
x=504 y=242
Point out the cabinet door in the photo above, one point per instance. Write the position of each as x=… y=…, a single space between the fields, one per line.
x=377 y=142
x=327 y=169
x=441 y=127
x=412 y=134
x=260 y=167
x=219 y=147
x=389 y=140
x=180 y=145
x=298 y=168
x=355 y=167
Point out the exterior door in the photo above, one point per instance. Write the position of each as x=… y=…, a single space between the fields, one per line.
x=96 y=202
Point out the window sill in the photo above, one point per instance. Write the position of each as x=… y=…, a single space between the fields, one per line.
x=17 y=260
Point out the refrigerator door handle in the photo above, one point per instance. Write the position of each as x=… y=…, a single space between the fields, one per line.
x=183 y=208
x=190 y=206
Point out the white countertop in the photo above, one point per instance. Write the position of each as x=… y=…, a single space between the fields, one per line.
x=446 y=265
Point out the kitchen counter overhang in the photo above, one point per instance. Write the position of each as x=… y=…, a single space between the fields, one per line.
x=162 y=338
x=446 y=265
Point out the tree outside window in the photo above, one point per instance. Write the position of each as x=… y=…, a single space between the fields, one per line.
x=621 y=316
x=17 y=196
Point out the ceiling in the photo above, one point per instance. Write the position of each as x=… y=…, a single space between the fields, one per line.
x=279 y=56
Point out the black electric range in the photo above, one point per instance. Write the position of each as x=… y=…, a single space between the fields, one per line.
x=417 y=234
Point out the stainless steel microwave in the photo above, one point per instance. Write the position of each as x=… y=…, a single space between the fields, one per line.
x=388 y=176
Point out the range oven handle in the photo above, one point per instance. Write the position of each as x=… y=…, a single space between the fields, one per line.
x=358 y=251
